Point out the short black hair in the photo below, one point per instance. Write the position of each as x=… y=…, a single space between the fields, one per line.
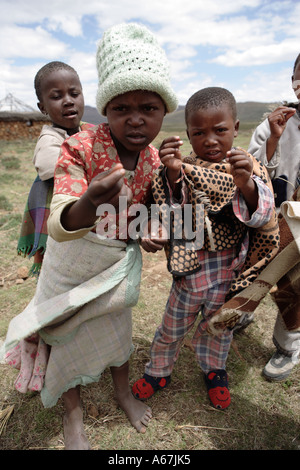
x=296 y=63
x=210 y=97
x=46 y=70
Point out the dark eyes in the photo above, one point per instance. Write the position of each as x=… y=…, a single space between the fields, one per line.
x=58 y=96
x=119 y=108
x=150 y=108
x=145 y=109
x=219 y=130
x=197 y=133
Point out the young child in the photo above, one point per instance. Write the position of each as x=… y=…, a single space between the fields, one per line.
x=59 y=92
x=276 y=143
x=236 y=201
x=88 y=283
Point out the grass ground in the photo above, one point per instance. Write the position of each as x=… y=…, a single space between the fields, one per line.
x=262 y=416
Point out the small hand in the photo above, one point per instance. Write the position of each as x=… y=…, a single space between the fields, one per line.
x=170 y=156
x=241 y=166
x=107 y=187
x=241 y=170
x=155 y=236
x=278 y=120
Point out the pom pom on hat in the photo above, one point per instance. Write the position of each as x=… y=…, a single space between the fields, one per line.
x=129 y=58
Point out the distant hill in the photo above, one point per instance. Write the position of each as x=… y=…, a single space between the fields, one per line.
x=92 y=115
x=249 y=113
x=252 y=111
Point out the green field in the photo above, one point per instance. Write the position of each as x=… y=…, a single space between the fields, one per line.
x=262 y=416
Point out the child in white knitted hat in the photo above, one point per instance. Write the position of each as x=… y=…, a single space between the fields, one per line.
x=88 y=283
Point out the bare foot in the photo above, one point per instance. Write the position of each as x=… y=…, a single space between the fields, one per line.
x=75 y=437
x=137 y=412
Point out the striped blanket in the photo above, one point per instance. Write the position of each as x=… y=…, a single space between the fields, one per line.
x=33 y=234
x=283 y=270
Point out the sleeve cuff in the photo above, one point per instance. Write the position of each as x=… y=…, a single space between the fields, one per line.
x=55 y=229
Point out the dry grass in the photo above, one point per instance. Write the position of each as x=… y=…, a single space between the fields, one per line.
x=262 y=416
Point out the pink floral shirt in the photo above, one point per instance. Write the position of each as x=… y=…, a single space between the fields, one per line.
x=88 y=153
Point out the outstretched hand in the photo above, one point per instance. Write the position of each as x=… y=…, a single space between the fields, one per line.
x=105 y=188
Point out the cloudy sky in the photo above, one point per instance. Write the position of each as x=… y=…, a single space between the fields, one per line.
x=247 y=46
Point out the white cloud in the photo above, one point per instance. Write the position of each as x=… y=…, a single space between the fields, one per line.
x=260 y=55
x=69 y=24
x=239 y=35
x=267 y=87
x=22 y=42
x=202 y=81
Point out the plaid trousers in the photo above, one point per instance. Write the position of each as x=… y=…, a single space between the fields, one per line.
x=203 y=292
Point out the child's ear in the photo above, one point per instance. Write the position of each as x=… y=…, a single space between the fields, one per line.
x=188 y=135
x=41 y=108
x=236 y=127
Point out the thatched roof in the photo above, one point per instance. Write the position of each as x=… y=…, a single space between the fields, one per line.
x=10 y=116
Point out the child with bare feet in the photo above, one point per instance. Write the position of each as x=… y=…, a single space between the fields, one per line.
x=91 y=271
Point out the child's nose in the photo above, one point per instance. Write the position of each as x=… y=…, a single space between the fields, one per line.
x=210 y=139
x=136 y=119
x=68 y=100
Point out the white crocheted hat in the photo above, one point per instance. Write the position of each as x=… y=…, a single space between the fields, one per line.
x=129 y=58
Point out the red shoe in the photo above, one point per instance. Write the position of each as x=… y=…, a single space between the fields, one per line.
x=145 y=387
x=217 y=387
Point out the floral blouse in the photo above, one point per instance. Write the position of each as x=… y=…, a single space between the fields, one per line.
x=88 y=153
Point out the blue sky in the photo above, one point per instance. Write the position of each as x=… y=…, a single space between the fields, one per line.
x=247 y=46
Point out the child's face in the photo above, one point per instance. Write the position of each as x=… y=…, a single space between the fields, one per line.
x=135 y=119
x=211 y=132
x=296 y=81
x=62 y=99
